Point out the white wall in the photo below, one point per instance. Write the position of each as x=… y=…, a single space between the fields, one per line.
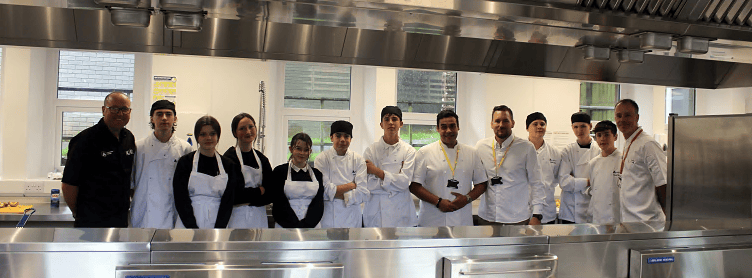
x=220 y=87
x=557 y=99
x=723 y=101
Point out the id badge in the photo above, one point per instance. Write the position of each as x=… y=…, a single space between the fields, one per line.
x=453 y=184
x=496 y=180
x=618 y=179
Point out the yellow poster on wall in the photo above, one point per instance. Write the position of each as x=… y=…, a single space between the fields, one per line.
x=165 y=87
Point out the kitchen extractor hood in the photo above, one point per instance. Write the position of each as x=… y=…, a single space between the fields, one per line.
x=657 y=42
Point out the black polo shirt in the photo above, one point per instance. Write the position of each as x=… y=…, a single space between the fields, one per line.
x=100 y=166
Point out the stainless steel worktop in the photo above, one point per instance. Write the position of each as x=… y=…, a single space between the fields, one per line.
x=44 y=212
x=566 y=250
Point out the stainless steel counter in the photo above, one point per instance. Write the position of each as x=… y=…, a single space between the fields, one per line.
x=539 y=251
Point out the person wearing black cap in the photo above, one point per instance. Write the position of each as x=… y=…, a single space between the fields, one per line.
x=603 y=177
x=572 y=173
x=153 y=205
x=549 y=160
x=389 y=163
x=515 y=191
x=345 y=178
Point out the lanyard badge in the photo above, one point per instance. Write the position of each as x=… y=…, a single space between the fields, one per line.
x=452 y=183
x=497 y=179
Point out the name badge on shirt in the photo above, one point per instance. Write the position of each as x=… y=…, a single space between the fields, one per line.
x=496 y=180
x=618 y=176
x=453 y=184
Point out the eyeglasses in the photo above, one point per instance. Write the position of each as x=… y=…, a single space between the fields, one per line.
x=119 y=110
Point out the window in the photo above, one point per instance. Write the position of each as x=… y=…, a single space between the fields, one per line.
x=680 y=101
x=426 y=91
x=317 y=86
x=92 y=75
x=84 y=80
x=419 y=135
x=598 y=100
x=319 y=132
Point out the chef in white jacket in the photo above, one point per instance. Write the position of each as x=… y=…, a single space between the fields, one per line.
x=603 y=176
x=390 y=164
x=572 y=180
x=643 y=168
x=549 y=160
x=153 y=205
x=346 y=174
x=448 y=176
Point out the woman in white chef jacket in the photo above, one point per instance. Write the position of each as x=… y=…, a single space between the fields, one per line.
x=298 y=188
x=204 y=183
x=251 y=212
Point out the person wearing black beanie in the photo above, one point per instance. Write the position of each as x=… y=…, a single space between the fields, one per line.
x=572 y=180
x=549 y=160
x=156 y=157
x=345 y=172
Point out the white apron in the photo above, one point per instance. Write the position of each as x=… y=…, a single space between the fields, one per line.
x=300 y=194
x=385 y=210
x=206 y=194
x=245 y=216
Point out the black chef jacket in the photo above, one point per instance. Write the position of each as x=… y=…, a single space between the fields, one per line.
x=283 y=214
x=100 y=166
x=250 y=195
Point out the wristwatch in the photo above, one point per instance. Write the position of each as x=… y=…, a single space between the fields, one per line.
x=439 y=202
x=539 y=216
x=469 y=199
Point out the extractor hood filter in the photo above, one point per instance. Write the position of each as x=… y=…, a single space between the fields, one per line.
x=130 y=17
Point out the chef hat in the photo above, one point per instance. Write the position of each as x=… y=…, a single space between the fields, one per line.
x=580 y=117
x=605 y=125
x=341 y=126
x=393 y=110
x=162 y=104
x=535 y=116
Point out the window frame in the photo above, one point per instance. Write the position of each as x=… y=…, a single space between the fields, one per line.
x=419 y=115
x=76 y=105
x=669 y=102
x=597 y=107
x=309 y=114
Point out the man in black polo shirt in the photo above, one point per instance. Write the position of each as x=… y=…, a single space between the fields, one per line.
x=96 y=180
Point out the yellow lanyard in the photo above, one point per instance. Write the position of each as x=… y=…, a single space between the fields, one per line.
x=497 y=166
x=627 y=152
x=457 y=158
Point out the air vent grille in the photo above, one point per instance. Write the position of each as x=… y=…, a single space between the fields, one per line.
x=729 y=12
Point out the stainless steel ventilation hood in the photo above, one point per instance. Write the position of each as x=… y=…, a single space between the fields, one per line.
x=545 y=38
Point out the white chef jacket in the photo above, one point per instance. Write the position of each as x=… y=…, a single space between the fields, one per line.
x=603 y=173
x=522 y=192
x=573 y=181
x=433 y=172
x=644 y=170
x=153 y=204
x=549 y=160
x=390 y=204
x=339 y=170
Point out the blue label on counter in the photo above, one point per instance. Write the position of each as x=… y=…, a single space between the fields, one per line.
x=147 y=276
x=660 y=260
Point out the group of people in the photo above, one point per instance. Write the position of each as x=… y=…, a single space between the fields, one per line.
x=161 y=182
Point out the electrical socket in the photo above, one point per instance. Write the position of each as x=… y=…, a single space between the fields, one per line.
x=33 y=187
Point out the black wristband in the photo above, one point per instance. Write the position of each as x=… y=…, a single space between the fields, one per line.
x=539 y=216
x=439 y=202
